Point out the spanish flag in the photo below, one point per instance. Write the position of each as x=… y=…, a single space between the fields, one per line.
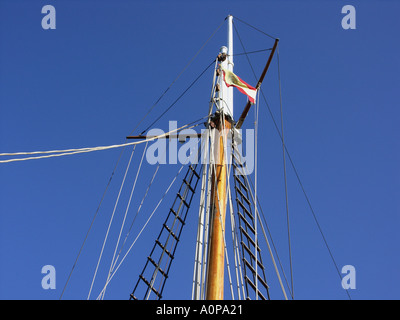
x=232 y=79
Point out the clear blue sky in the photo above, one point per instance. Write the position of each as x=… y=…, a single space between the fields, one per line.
x=88 y=82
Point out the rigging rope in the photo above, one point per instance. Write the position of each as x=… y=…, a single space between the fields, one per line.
x=238 y=267
x=285 y=176
x=236 y=18
x=235 y=247
x=291 y=160
x=250 y=183
x=112 y=174
x=177 y=99
x=96 y=213
x=59 y=153
x=126 y=212
x=207 y=228
x=117 y=203
x=179 y=75
x=91 y=224
x=139 y=208
x=303 y=190
x=109 y=225
x=257 y=201
x=202 y=230
x=239 y=281
x=141 y=231
x=255 y=188
x=265 y=237
x=251 y=52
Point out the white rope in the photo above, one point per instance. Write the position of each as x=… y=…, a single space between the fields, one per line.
x=109 y=225
x=202 y=231
x=144 y=226
x=227 y=192
x=67 y=152
x=239 y=279
x=139 y=208
x=41 y=152
x=155 y=273
x=204 y=272
x=198 y=263
x=238 y=267
x=255 y=188
x=126 y=212
x=265 y=236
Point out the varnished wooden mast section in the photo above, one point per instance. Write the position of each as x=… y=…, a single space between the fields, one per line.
x=216 y=266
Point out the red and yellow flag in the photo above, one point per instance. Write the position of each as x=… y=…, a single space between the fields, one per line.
x=232 y=79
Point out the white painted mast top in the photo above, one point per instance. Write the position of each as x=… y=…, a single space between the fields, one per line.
x=226 y=93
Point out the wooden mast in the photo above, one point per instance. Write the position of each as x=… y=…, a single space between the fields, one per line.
x=216 y=267
x=216 y=261
x=223 y=123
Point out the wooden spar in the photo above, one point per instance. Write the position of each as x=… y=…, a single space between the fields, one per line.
x=216 y=266
x=248 y=105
